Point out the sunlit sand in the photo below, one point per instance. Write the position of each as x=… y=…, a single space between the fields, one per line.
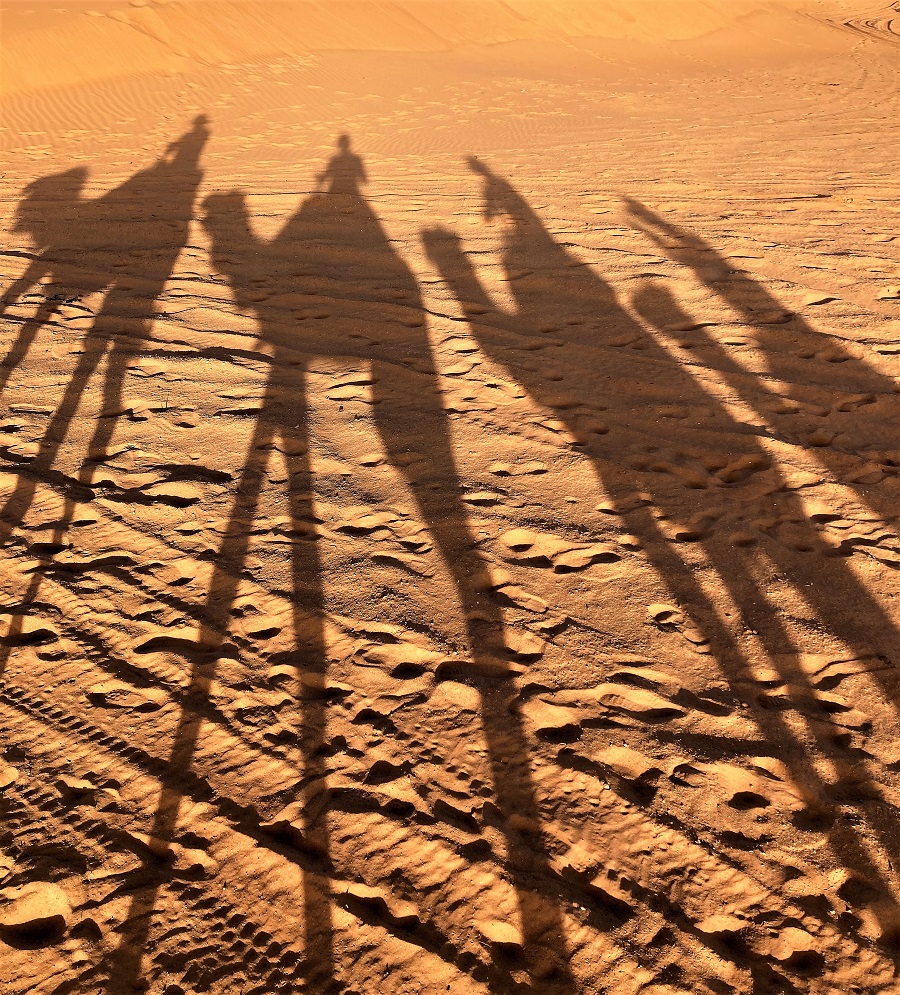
x=450 y=486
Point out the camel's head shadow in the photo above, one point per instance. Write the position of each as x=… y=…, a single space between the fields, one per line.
x=49 y=203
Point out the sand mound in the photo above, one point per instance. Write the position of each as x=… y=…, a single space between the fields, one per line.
x=78 y=42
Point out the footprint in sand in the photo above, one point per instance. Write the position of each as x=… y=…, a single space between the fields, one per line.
x=669 y=618
x=36 y=913
x=119 y=695
x=544 y=550
x=526 y=469
x=26 y=630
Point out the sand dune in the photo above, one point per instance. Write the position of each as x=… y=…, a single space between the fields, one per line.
x=46 y=46
x=449 y=486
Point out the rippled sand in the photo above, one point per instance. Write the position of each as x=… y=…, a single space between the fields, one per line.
x=450 y=488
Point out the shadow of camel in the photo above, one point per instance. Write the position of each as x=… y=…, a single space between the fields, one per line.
x=330 y=282
x=51 y=213
x=125 y=243
x=679 y=468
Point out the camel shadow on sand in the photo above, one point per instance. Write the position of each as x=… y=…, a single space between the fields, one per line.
x=679 y=469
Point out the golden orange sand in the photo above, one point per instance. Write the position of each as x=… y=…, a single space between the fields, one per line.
x=450 y=491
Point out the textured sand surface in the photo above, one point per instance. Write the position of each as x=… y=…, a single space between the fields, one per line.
x=449 y=494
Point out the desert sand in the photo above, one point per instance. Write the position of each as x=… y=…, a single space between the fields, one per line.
x=450 y=485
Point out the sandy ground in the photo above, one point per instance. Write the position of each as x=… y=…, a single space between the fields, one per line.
x=450 y=488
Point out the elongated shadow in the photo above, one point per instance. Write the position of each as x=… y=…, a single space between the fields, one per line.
x=656 y=418
x=339 y=288
x=125 y=243
x=827 y=390
x=824 y=391
x=50 y=213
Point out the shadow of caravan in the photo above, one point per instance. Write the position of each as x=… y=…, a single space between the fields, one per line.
x=611 y=364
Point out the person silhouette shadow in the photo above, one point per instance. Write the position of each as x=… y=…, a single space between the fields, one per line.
x=345 y=171
x=842 y=397
x=827 y=390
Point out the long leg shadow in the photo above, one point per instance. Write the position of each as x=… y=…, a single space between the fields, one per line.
x=283 y=418
x=609 y=363
x=311 y=254
x=829 y=390
x=105 y=230
x=835 y=594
